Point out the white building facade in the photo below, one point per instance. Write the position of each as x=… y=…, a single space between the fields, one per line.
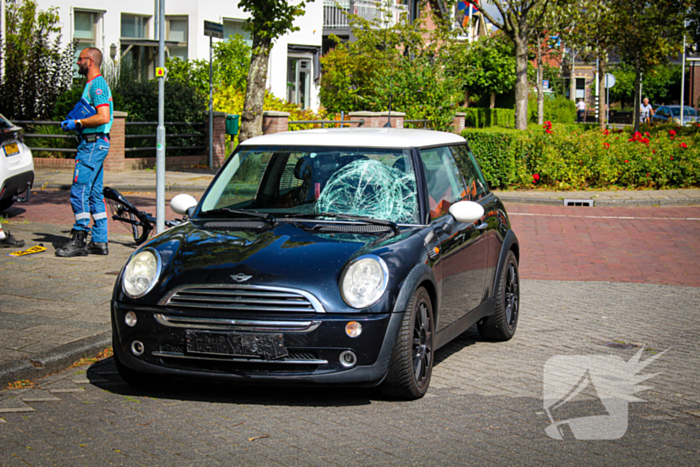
x=127 y=30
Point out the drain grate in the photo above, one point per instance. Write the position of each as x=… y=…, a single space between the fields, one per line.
x=578 y=202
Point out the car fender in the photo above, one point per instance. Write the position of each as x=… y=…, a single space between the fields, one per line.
x=510 y=242
x=418 y=275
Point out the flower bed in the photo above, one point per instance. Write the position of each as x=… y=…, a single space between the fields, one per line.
x=567 y=157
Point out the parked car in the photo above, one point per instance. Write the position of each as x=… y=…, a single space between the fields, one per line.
x=672 y=113
x=16 y=164
x=343 y=256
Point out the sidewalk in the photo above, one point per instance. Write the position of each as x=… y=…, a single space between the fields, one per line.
x=195 y=182
x=54 y=311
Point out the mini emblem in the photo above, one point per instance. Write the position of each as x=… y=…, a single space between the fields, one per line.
x=241 y=277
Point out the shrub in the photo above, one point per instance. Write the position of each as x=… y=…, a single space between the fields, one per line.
x=557 y=109
x=485 y=117
x=556 y=158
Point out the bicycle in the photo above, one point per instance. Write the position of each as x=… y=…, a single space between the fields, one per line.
x=141 y=224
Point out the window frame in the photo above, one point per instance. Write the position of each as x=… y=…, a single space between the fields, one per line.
x=185 y=18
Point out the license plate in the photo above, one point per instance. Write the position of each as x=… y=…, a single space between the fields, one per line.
x=11 y=149
x=234 y=344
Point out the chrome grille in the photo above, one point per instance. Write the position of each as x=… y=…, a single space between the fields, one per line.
x=243 y=298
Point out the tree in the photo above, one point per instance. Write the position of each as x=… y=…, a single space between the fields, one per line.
x=37 y=69
x=518 y=18
x=484 y=67
x=269 y=19
x=646 y=34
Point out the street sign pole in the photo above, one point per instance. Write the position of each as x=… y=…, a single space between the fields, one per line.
x=2 y=37
x=609 y=82
x=160 y=131
x=212 y=30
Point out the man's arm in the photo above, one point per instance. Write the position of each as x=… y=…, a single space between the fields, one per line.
x=100 y=118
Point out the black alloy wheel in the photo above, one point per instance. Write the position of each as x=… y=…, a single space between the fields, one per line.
x=502 y=324
x=412 y=358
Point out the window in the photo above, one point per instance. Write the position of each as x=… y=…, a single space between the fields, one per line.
x=176 y=30
x=474 y=179
x=299 y=81
x=580 y=88
x=445 y=185
x=134 y=27
x=84 y=32
x=233 y=27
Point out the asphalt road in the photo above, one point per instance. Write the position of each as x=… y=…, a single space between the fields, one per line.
x=615 y=283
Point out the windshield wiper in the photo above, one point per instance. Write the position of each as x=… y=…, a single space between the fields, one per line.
x=245 y=213
x=368 y=220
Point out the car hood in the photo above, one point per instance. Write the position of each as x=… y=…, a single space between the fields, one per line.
x=286 y=256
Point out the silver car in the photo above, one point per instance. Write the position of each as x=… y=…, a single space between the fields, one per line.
x=16 y=164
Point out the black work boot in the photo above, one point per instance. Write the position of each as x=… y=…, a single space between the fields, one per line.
x=11 y=242
x=98 y=248
x=76 y=247
x=73 y=233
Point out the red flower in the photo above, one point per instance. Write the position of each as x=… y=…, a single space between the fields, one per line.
x=549 y=131
x=606 y=132
x=606 y=145
x=647 y=134
x=626 y=161
x=536 y=176
x=654 y=151
x=683 y=145
x=619 y=130
x=645 y=141
x=647 y=174
x=671 y=136
x=671 y=157
x=672 y=132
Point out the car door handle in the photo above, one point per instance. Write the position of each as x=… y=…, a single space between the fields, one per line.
x=482 y=226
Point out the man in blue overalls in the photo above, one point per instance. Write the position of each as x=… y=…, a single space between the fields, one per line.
x=86 y=192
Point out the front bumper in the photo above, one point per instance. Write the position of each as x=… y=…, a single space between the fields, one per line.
x=314 y=342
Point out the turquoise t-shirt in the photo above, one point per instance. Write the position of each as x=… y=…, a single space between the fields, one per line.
x=97 y=94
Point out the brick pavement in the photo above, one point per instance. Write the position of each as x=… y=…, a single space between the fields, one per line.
x=484 y=406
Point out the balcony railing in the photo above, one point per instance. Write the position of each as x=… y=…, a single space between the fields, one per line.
x=335 y=12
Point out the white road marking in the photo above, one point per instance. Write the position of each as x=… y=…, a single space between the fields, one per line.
x=607 y=217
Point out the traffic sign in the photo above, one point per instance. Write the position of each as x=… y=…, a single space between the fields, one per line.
x=609 y=80
x=545 y=83
x=212 y=29
x=160 y=71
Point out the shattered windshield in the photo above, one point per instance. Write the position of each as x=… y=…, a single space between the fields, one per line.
x=374 y=183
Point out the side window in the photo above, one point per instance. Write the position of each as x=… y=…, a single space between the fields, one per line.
x=445 y=185
x=476 y=184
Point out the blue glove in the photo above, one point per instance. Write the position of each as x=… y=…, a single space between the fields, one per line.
x=69 y=125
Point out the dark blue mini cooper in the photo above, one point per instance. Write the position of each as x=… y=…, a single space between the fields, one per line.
x=343 y=256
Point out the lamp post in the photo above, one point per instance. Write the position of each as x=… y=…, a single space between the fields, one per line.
x=113 y=52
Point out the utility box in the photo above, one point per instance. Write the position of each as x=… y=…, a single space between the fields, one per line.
x=232 y=124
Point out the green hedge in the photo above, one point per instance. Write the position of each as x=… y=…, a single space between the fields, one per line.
x=659 y=157
x=485 y=117
x=557 y=109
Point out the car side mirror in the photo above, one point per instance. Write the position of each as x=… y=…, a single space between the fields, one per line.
x=466 y=212
x=181 y=204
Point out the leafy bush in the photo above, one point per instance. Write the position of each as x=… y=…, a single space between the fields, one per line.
x=37 y=69
x=662 y=156
x=557 y=109
x=487 y=117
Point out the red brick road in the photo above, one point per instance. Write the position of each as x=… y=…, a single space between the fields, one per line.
x=652 y=245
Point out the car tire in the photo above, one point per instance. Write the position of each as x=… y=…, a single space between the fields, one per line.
x=412 y=358
x=502 y=324
x=6 y=203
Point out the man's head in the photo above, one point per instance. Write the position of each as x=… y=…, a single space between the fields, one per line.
x=89 y=58
x=646 y=101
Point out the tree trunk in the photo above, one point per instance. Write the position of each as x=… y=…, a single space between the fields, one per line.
x=540 y=84
x=252 y=115
x=466 y=98
x=572 y=80
x=492 y=103
x=637 y=99
x=601 y=99
x=521 y=85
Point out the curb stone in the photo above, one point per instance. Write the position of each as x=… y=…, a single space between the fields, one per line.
x=58 y=358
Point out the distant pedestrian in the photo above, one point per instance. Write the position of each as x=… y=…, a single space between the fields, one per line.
x=580 y=110
x=7 y=240
x=646 y=112
x=93 y=132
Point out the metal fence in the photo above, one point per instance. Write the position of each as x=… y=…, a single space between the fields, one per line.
x=417 y=123
x=70 y=141
x=330 y=123
x=335 y=12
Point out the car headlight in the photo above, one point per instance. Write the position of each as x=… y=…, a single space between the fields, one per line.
x=364 y=281
x=141 y=273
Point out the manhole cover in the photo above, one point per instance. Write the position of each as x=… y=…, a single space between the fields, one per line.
x=619 y=345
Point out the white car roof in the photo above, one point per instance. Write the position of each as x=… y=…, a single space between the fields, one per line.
x=357 y=137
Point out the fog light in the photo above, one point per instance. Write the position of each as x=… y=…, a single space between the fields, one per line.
x=137 y=348
x=348 y=359
x=353 y=329
x=130 y=319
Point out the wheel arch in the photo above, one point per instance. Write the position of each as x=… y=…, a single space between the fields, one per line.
x=510 y=243
x=420 y=276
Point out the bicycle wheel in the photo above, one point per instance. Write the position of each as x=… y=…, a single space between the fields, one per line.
x=120 y=212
